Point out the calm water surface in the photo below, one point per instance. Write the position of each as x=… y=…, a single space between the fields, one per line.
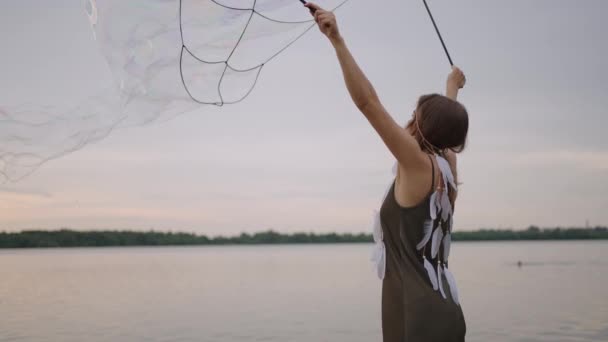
x=291 y=293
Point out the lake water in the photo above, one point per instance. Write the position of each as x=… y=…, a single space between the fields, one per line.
x=291 y=293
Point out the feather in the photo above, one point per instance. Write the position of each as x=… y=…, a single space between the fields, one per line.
x=377 y=227
x=446 y=206
x=446 y=171
x=452 y=283
x=438 y=202
x=379 y=259
x=379 y=251
x=440 y=281
x=453 y=185
x=427 y=230
x=375 y=255
x=431 y=272
x=447 y=241
x=436 y=242
x=433 y=205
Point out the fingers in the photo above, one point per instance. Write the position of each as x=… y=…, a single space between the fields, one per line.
x=456 y=78
x=458 y=75
x=316 y=10
x=320 y=13
x=456 y=71
x=325 y=20
x=323 y=17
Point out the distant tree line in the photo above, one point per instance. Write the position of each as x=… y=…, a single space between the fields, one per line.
x=74 y=238
x=533 y=233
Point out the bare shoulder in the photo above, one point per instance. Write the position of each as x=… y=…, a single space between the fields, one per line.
x=418 y=166
x=414 y=182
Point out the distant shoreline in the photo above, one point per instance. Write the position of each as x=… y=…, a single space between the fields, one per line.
x=115 y=238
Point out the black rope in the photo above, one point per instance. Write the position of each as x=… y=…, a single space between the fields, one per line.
x=438 y=33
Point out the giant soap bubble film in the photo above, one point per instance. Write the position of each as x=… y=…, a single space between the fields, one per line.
x=164 y=58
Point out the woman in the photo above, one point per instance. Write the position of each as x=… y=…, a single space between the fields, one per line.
x=419 y=295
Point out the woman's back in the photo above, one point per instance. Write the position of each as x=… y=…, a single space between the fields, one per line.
x=419 y=301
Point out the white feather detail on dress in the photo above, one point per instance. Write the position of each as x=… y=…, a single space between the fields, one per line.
x=379 y=250
x=430 y=270
x=440 y=280
x=446 y=206
x=446 y=171
x=436 y=241
x=447 y=241
x=452 y=283
x=448 y=178
x=438 y=203
x=379 y=259
x=427 y=230
x=433 y=205
x=377 y=227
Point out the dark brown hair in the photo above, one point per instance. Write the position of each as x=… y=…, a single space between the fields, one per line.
x=443 y=123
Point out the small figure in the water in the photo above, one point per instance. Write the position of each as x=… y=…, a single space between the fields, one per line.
x=519 y=263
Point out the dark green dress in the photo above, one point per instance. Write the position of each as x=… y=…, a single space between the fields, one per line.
x=414 y=308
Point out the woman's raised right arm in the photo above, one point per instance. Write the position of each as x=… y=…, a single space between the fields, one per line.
x=402 y=144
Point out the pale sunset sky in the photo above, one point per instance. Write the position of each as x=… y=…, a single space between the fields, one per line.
x=298 y=156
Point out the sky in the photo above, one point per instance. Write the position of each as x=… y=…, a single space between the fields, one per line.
x=296 y=155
